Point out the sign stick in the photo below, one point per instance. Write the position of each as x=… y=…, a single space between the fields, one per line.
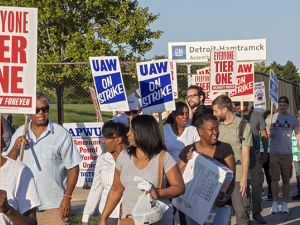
x=242 y=111
x=271 y=114
x=161 y=127
x=0 y=147
x=24 y=133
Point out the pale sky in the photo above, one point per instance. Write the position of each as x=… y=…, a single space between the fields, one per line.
x=196 y=20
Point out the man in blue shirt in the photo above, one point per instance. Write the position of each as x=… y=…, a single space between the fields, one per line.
x=49 y=152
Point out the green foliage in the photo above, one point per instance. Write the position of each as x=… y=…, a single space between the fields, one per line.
x=288 y=71
x=72 y=30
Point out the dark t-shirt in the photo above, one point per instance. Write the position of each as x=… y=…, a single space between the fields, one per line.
x=223 y=150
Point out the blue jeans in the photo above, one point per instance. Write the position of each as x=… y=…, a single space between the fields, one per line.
x=297 y=168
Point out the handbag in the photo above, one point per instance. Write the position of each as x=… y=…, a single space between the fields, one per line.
x=130 y=221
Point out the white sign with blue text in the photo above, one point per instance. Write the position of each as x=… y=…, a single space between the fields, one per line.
x=109 y=84
x=88 y=139
x=155 y=86
x=259 y=97
x=273 y=93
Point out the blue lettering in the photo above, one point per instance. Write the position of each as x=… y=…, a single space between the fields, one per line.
x=71 y=132
x=88 y=131
x=111 y=64
x=143 y=73
x=103 y=66
x=96 y=133
x=95 y=65
x=78 y=131
x=152 y=69
x=162 y=66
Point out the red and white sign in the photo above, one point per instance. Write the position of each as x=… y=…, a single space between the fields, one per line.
x=223 y=66
x=18 y=58
x=202 y=80
x=94 y=97
x=88 y=140
x=244 y=83
x=174 y=79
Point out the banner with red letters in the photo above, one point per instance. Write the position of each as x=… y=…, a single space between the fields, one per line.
x=244 y=83
x=223 y=66
x=202 y=80
x=18 y=59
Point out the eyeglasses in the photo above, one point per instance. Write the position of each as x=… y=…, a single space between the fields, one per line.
x=131 y=112
x=190 y=96
x=44 y=109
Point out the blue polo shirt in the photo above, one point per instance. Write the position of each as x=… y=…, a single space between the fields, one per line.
x=49 y=158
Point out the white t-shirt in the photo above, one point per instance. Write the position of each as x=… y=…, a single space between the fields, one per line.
x=17 y=181
x=175 y=144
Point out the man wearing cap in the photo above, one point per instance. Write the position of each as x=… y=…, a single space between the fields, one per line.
x=257 y=124
x=134 y=107
x=54 y=160
x=281 y=159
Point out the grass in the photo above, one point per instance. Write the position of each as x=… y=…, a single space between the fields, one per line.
x=76 y=219
x=73 y=113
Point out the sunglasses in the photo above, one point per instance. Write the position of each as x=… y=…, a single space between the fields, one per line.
x=44 y=109
x=131 y=112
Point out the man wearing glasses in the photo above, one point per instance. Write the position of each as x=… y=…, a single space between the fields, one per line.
x=54 y=160
x=134 y=107
x=195 y=96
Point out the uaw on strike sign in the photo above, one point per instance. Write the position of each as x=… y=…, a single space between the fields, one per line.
x=18 y=52
x=155 y=86
x=223 y=66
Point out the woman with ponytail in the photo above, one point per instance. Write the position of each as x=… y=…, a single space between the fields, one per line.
x=207 y=128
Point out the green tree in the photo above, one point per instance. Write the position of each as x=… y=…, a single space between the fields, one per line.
x=72 y=30
x=287 y=72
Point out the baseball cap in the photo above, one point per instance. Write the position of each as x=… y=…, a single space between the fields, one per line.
x=133 y=102
x=121 y=118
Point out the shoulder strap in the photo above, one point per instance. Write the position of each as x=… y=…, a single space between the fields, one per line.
x=160 y=168
x=242 y=127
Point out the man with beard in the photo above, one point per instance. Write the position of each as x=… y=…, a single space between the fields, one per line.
x=195 y=96
x=229 y=132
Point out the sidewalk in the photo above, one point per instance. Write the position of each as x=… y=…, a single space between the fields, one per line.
x=291 y=218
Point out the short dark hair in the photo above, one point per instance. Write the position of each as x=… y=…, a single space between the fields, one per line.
x=146 y=136
x=178 y=105
x=283 y=99
x=223 y=101
x=202 y=116
x=266 y=113
x=112 y=129
x=199 y=91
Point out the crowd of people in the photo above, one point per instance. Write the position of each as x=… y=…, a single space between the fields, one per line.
x=39 y=190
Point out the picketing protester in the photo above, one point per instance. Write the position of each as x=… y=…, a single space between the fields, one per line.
x=229 y=132
x=208 y=130
x=195 y=96
x=281 y=158
x=257 y=124
x=114 y=141
x=179 y=134
x=266 y=166
x=54 y=160
x=18 y=195
x=297 y=167
x=142 y=159
x=134 y=107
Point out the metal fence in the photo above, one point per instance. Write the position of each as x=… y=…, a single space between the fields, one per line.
x=72 y=102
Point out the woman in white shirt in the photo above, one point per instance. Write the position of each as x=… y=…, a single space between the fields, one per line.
x=179 y=134
x=114 y=141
